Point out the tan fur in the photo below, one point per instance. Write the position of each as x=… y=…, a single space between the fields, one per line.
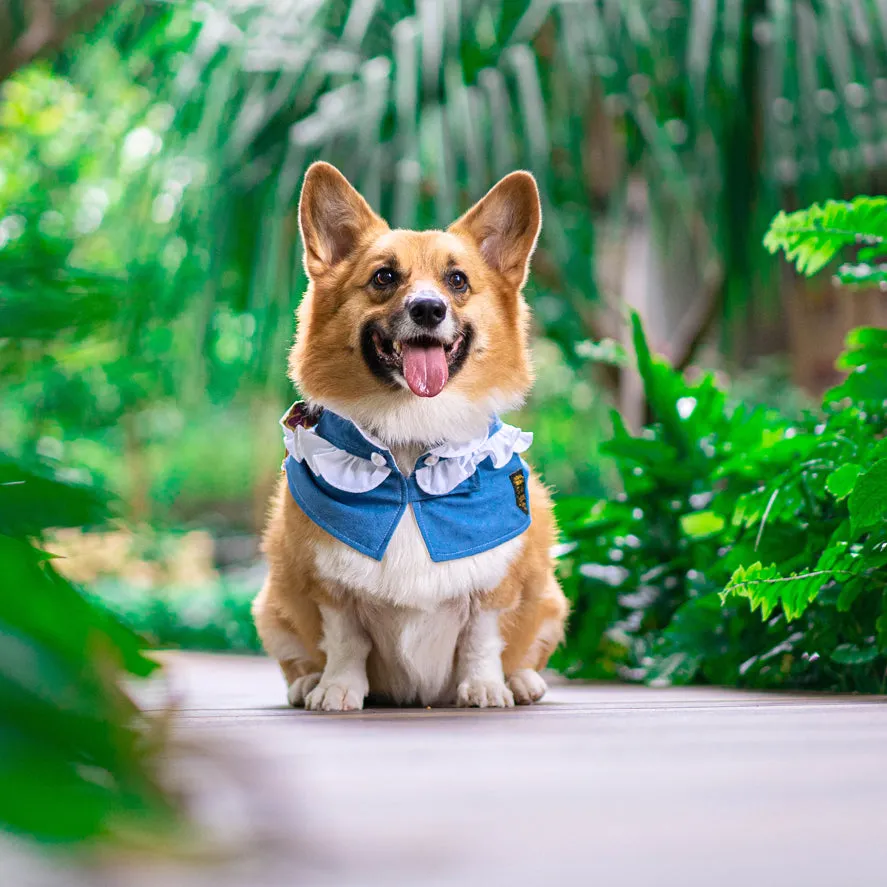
x=345 y=241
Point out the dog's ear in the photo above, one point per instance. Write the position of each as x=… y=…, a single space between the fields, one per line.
x=333 y=218
x=505 y=225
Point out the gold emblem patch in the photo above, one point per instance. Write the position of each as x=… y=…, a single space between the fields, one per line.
x=518 y=481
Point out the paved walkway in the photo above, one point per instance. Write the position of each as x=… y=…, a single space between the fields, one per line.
x=597 y=785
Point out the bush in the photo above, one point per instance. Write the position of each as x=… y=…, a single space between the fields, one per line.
x=746 y=548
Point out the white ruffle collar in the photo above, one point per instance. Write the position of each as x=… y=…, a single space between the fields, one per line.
x=443 y=468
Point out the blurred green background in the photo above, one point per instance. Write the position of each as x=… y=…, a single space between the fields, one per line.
x=151 y=154
x=150 y=159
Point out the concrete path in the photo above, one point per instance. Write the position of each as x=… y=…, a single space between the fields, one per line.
x=596 y=785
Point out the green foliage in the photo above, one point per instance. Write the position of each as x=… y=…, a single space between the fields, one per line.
x=148 y=189
x=868 y=498
x=150 y=174
x=217 y=617
x=814 y=237
x=841 y=481
x=746 y=547
x=77 y=757
x=766 y=588
x=75 y=752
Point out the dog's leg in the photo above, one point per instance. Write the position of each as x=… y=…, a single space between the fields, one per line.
x=481 y=681
x=301 y=668
x=343 y=685
x=525 y=659
x=525 y=681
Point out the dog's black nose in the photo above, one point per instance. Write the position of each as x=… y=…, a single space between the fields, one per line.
x=428 y=311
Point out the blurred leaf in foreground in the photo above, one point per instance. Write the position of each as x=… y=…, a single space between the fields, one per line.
x=75 y=752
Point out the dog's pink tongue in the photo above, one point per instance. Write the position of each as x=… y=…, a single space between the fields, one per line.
x=425 y=369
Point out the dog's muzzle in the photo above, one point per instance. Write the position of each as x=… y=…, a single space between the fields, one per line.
x=427 y=309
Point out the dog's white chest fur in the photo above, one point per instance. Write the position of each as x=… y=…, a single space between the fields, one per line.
x=413 y=608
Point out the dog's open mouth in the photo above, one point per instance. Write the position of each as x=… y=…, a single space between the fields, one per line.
x=424 y=363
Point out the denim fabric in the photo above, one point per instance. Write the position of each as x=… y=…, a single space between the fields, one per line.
x=484 y=511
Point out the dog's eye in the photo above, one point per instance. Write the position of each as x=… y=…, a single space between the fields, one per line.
x=384 y=277
x=458 y=281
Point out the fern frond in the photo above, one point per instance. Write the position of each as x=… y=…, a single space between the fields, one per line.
x=766 y=588
x=813 y=237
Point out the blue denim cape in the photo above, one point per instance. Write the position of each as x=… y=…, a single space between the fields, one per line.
x=486 y=509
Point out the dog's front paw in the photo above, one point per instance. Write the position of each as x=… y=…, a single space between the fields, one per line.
x=301 y=687
x=336 y=696
x=527 y=686
x=480 y=693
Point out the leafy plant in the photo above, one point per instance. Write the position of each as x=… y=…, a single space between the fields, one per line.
x=77 y=756
x=746 y=548
x=814 y=237
x=75 y=752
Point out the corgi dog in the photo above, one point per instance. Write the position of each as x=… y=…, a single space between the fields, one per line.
x=408 y=542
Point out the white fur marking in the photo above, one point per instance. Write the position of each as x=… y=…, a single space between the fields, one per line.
x=301 y=687
x=413 y=608
x=527 y=686
x=414 y=650
x=444 y=332
x=397 y=418
x=406 y=576
x=481 y=681
x=343 y=685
